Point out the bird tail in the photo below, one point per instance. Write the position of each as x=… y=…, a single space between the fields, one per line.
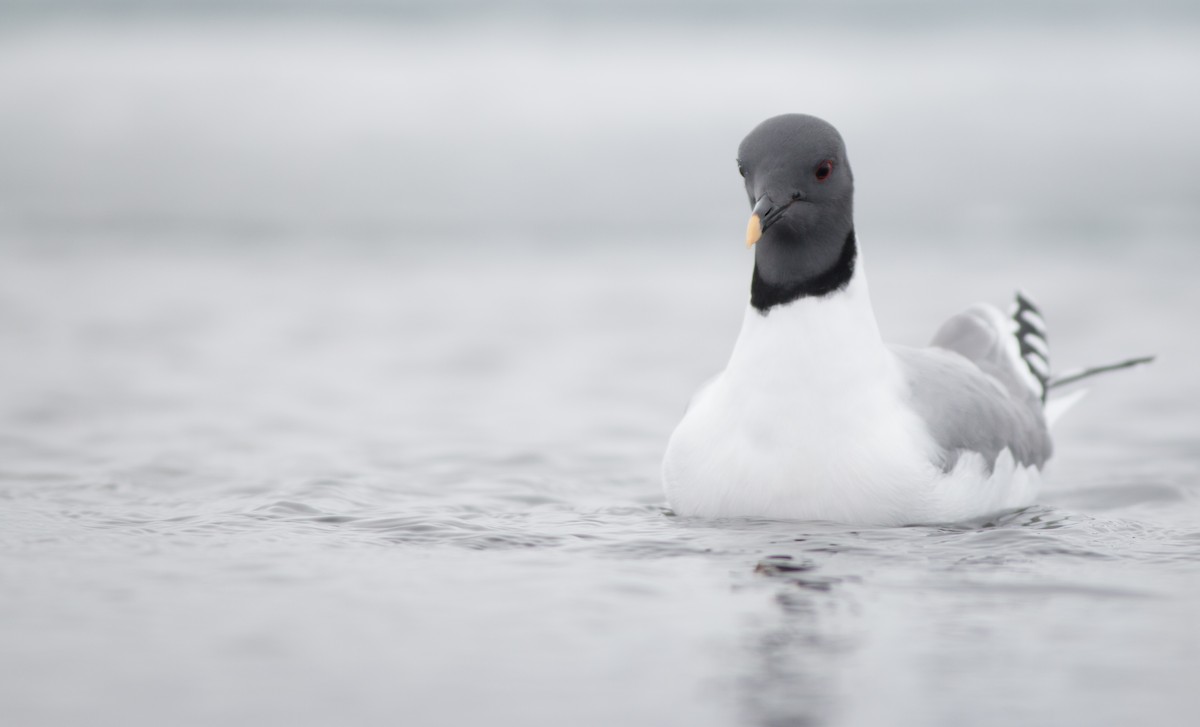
x=1030 y=332
x=1056 y=407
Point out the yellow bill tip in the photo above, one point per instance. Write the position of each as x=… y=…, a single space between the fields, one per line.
x=753 y=231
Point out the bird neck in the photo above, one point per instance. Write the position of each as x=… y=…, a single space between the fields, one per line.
x=766 y=295
x=831 y=336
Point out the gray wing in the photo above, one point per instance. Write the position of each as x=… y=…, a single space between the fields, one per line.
x=973 y=391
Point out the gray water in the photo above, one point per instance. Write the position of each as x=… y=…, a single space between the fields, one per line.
x=336 y=439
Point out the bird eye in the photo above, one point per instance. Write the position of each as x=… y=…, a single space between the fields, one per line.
x=824 y=169
x=741 y=170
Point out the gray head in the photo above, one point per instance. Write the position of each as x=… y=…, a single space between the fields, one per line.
x=802 y=194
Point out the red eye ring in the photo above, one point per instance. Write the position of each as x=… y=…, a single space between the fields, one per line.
x=824 y=169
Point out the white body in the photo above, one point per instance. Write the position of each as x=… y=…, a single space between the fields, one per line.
x=810 y=421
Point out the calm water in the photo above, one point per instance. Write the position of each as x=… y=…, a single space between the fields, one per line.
x=302 y=424
x=388 y=487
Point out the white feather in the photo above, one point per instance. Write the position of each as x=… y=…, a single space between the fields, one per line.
x=1058 y=406
x=1034 y=320
x=810 y=421
x=1037 y=343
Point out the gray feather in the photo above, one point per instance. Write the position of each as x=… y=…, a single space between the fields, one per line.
x=967 y=390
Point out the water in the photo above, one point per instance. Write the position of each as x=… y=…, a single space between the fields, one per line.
x=270 y=485
x=273 y=450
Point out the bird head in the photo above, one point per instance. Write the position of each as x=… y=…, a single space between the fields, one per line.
x=801 y=194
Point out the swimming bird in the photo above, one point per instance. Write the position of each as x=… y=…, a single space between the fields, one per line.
x=814 y=417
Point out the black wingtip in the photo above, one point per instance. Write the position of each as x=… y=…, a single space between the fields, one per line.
x=1031 y=338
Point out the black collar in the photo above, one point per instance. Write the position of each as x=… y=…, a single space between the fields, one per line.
x=764 y=295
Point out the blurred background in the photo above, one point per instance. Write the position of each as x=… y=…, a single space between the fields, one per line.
x=389 y=120
x=340 y=341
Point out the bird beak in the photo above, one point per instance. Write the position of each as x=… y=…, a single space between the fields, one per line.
x=754 y=228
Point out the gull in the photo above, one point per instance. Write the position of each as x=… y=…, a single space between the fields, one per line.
x=815 y=417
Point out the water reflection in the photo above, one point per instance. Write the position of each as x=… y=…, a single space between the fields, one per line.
x=797 y=650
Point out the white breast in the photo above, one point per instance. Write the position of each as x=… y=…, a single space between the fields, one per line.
x=809 y=421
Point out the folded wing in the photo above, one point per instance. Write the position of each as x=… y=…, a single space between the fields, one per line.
x=977 y=391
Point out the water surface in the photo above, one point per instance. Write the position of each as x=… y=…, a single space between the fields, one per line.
x=320 y=485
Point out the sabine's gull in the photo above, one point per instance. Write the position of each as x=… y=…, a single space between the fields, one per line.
x=814 y=417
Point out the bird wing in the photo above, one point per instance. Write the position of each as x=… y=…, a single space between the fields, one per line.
x=1013 y=350
x=976 y=392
